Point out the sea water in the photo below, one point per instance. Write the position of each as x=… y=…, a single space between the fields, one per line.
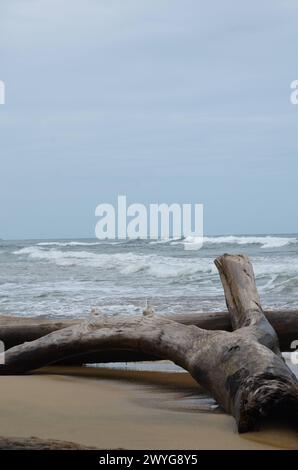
x=68 y=278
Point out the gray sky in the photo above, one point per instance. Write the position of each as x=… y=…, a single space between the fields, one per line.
x=161 y=100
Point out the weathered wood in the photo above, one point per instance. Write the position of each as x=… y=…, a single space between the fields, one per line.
x=243 y=301
x=16 y=330
x=261 y=384
x=242 y=369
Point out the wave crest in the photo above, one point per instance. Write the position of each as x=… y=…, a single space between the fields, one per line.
x=125 y=263
x=265 y=241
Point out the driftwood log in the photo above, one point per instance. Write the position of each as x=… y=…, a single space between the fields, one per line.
x=242 y=369
x=16 y=330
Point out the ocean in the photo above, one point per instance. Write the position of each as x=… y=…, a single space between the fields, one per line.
x=67 y=278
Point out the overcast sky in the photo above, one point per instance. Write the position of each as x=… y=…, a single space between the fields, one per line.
x=161 y=100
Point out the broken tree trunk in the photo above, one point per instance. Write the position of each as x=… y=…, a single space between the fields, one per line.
x=243 y=370
x=264 y=384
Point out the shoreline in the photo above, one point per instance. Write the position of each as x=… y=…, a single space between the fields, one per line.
x=111 y=409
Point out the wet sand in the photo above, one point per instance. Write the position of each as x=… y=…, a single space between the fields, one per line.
x=112 y=409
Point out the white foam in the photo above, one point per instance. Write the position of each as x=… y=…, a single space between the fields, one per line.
x=70 y=243
x=268 y=241
x=117 y=279
x=125 y=263
x=264 y=241
x=164 y=240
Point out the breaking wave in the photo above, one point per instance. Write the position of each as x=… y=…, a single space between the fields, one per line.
x=268 y=241
x=125 y=263
x=68 y=276
x=265 y=241
x=71 y=243
x=155 y=265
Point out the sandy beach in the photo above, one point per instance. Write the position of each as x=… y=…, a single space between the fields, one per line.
x=111 y=409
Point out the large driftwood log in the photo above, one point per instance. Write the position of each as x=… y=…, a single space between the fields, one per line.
x=16 y=330
x=243 y=370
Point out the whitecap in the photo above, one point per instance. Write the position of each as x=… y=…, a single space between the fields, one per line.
x=264 y=241
x=70 y=243
x=126 y=263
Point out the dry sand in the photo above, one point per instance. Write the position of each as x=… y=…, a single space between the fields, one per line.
x=112 y=409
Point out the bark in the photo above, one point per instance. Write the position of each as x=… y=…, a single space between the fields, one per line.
x=243 y=369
